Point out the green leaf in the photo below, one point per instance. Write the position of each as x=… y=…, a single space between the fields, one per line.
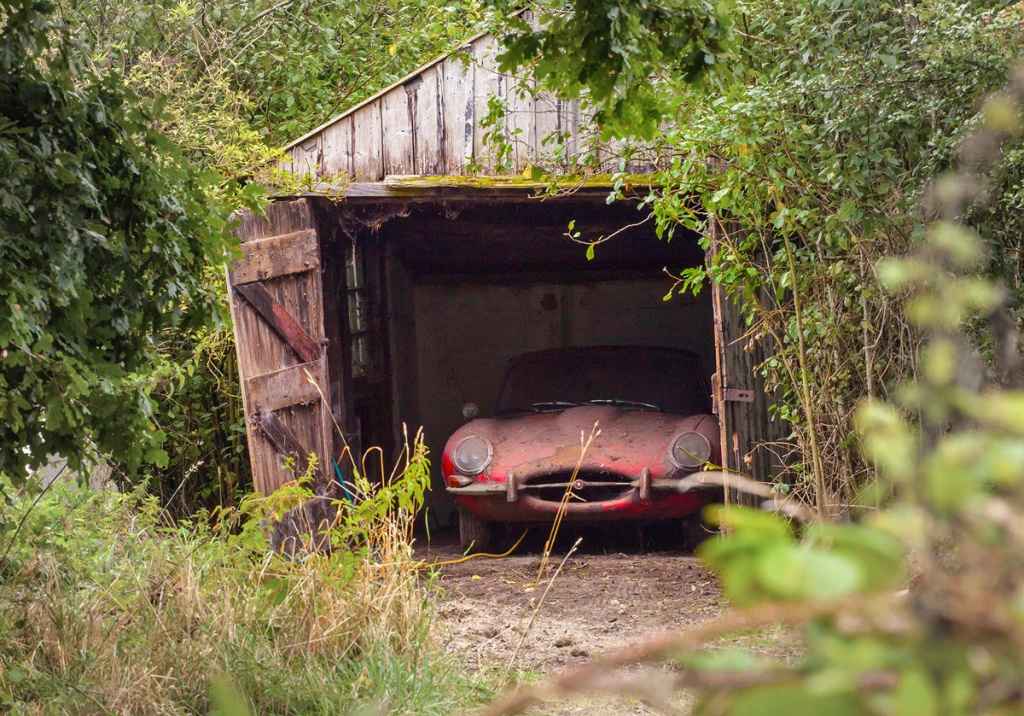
x=157 y=457
x=877 y=556
x=888 y=440
x=915 y=694
x=846 y=210
x=717 y=197
x=788 y=700
x=801 y=572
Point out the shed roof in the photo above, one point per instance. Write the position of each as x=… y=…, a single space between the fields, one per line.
x=429 y=124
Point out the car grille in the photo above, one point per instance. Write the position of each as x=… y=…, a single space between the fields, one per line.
x=589 y=486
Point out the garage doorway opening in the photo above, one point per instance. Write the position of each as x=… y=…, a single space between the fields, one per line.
x=450 y=292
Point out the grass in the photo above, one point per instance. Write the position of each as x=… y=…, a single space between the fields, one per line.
x=107 y=608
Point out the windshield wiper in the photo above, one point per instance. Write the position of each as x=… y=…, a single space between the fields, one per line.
x=626 y=404
x=552 y=405
x=547 y=406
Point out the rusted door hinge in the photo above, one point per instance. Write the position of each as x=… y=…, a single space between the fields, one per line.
x=736 y=395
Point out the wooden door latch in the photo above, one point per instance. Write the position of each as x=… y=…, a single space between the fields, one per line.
x=735 y=395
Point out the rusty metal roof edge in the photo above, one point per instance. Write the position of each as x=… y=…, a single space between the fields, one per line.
x=394 y=85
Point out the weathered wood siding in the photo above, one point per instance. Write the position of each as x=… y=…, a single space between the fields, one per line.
x=431 y=124
x=752 y=443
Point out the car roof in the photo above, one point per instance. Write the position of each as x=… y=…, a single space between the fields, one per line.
x=620 y=349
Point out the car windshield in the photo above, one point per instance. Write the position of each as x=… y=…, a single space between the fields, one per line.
x=643 y=378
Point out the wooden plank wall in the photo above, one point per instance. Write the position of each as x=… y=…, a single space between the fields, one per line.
x=431 y=125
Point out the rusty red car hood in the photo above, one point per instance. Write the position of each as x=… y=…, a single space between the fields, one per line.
x=629 y=440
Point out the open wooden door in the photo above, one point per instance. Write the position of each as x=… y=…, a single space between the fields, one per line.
x=751 y=440
x=277 y=307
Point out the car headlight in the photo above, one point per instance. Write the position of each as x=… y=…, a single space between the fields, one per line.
x=472 y=455
x=689 y=451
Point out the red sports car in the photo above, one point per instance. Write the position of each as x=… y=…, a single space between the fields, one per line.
x=652 y=407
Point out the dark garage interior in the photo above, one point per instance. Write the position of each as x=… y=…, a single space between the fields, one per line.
x=450 y=292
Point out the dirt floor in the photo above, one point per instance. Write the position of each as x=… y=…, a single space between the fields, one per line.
x=614 y=590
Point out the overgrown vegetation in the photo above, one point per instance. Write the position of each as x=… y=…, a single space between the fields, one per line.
x=199 y=409
x=122 y=159
x=236 y=82
x=808 y=142
x=108 y=606
x=262 y=51
x=951 y=643
x=218 y=89
x=107 y=232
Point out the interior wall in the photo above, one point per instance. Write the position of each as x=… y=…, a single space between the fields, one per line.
x=465 y=334
x=403 y=346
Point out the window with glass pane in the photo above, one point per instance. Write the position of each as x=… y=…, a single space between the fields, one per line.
x=357 y=310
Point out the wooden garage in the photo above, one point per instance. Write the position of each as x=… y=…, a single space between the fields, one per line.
x=425 y=257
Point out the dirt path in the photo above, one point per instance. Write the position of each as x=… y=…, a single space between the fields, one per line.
x=602 y=600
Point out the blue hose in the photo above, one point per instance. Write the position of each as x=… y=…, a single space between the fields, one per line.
x=341 y=481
